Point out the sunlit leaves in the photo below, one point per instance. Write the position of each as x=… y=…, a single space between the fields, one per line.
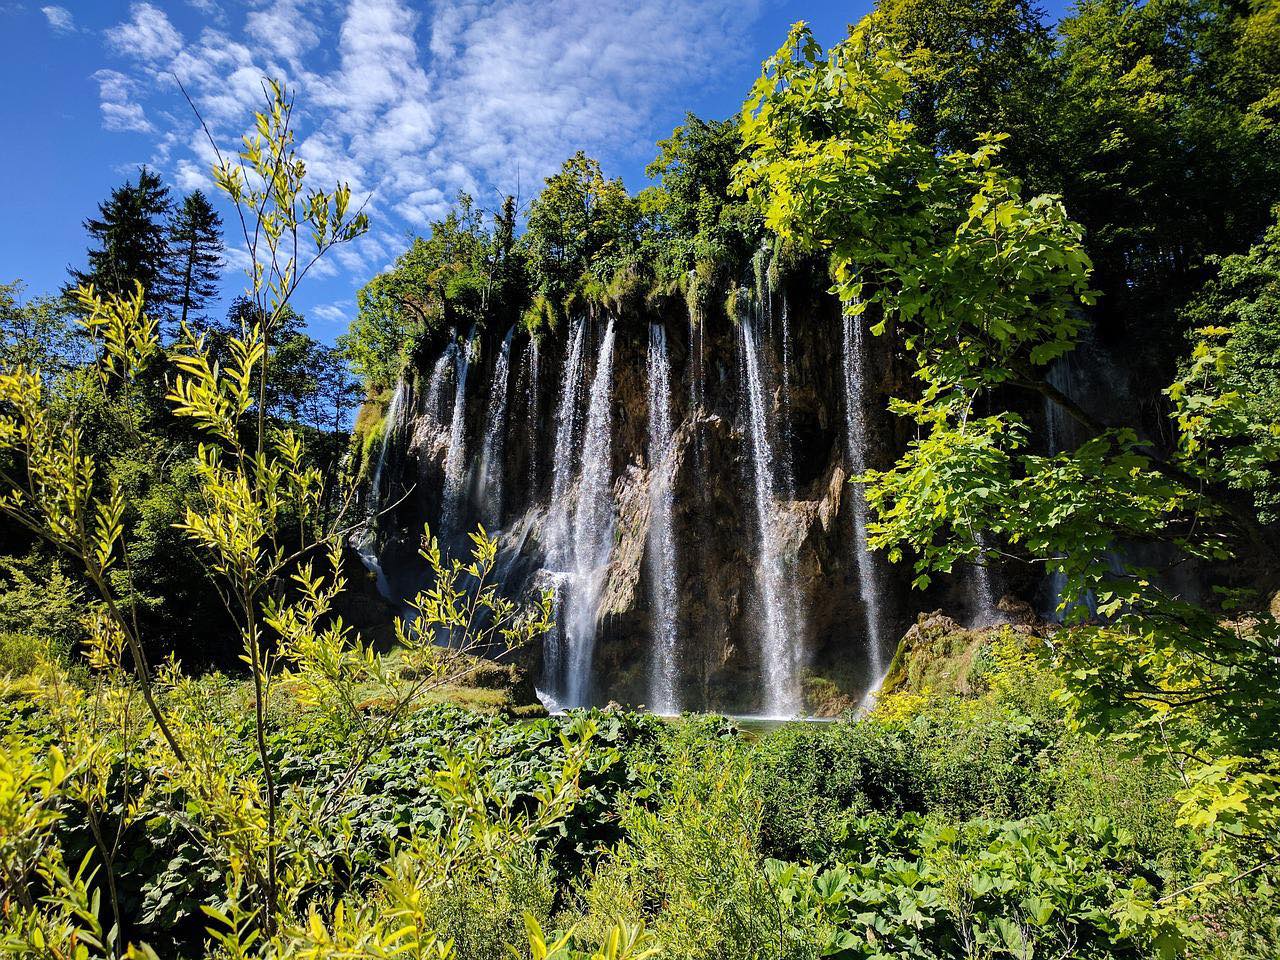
x=279 y=214
x=985 y=288
x=129 y=338
x=944 y=245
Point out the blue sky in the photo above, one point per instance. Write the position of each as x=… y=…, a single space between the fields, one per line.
x=410 y=101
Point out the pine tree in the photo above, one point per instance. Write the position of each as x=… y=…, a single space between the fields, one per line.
x=195 y=241
x=131 y=242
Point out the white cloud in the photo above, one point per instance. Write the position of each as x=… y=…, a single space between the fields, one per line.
x=60 y=19
x=411 y=102
x=285 y=27
x=120 y=111
x=337 y=314
x=148 y=35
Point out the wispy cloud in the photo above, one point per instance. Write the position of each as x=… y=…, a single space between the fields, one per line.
x=120 y=111
x=335 y=314
x=147 y=35
x=411 y=103
x=60 y=19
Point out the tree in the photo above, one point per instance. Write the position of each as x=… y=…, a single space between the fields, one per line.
x=131 y=243
x=984 y=288
x=458 y=275
x=978 y=66
x=1168 y=150
x=37 y=333
x=578 y=219
x=294 y=361
x=195 y=239
x=1236 y=315
x=691 y=208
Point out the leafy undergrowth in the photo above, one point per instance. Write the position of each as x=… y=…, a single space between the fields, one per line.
x=941 y=826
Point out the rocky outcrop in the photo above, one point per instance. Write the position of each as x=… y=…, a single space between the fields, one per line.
x=714 y=519
x=940 y=656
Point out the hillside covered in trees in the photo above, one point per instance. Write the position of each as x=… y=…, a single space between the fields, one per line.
x=860 y=542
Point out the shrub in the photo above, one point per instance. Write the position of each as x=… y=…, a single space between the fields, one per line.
x=962 y=758
x=21 y=653
x=917 y=888
x=692 y=865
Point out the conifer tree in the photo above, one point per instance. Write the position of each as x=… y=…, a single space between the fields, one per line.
x=131 y=242
x=195 y=241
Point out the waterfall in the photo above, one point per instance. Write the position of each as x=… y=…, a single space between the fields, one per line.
x=562 y=459
x=869 y=583
x=592 y=527
x=491 y=457
x=426 y=429
x=784 y=440
x=661 y=554
x=531 y=418
x=390 y=427
x=786 y=377
x=985 y=600
x=695 y=362
x=435 y=386
x=556 y=535
x=456 y=459
x=780 y=657
x=363 y=541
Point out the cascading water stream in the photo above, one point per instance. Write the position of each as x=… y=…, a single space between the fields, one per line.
x=429 y=423
x=531 y=416
x=592 y=528
x=491 y=456
x=455 y=461
x=390 y=427
x=661 y=554
x=364 y=540
x=562 y=456
x=984 y=598
x=556 y=537
x=870 y=591
x=780 y=658
x=435 y=386
x=786 y=362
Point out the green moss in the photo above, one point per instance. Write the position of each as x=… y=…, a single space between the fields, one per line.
x=936 y=656
x=700 y=285
x=823 y=697
x=737 y=305
x=542 y=315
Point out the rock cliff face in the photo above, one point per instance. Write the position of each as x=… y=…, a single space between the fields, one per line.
x=757 y=527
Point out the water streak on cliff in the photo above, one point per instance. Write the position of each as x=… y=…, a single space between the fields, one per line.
x=780 y=655
x=592 y=528
x=661 y=552
x=491 y=456
x=870 y=588
x=456 y=459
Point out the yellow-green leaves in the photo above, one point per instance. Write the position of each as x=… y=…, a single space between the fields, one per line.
x=266 y=181
x=945 y=245
x=218 y=397
x=128 y=337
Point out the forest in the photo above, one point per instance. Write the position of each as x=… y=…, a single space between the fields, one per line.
x=863 y=541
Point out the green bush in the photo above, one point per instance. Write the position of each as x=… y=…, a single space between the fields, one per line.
x=691 y=866
x=961 y=758
x=21 y=653
x=38 y=599
x=921 y=889
x=812 y=778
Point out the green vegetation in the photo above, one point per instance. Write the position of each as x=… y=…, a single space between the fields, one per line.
x=982 y=190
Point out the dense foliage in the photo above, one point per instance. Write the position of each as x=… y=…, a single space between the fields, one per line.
x=980 y=187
